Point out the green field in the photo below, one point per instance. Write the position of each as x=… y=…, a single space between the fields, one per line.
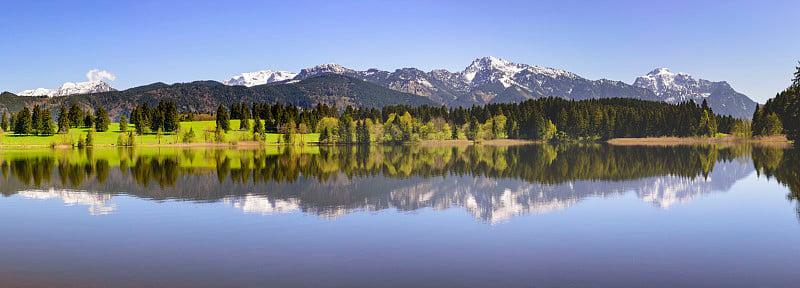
x=110 y=137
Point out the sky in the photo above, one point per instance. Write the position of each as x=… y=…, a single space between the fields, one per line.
x=753 y=45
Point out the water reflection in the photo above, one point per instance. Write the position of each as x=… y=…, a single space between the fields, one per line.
x=491 y=183
x=97 y=202
x=784 y=166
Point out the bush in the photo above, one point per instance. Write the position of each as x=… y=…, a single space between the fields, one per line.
x=90 y=138
x=131 y=139
x=219 y=136
x=189 y=136
x=121 y=140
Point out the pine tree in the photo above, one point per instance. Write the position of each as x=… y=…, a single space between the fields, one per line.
x=46 y=124
x=142 y=124
x=345 y=132
x=123 y=124
x=244 y=124
x=474 y=127
x=4 y=122
x=88 y=120
x=758 y=123
x=63 y=120
x=324 y=136
x=223 y=122
x=796 y=79
x=36 y=119
x=171 y=120
x=258 y=127
x=75 y=115
x=157 y=118
x=22 y=125
x=102 y=120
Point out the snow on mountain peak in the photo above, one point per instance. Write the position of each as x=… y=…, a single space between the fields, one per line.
x=678 y=86
x=659 y=71
x=324 y=68
x=489 y=69
x=260 y=78
x=70 y=88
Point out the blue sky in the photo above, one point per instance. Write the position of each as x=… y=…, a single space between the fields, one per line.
x=754 y=45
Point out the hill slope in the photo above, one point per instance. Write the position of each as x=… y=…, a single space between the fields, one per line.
x=207 y=95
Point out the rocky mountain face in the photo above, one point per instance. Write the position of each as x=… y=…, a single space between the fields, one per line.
x=70 y=88
x=260 y=78
x=679 y=87
x=488 y=80
x=494 y=80
x=485 y=80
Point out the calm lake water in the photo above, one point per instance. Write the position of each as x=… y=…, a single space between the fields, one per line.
x=468 y=216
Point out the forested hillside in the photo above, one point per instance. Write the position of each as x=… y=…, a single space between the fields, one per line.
x=780 y=115
x=203 y=96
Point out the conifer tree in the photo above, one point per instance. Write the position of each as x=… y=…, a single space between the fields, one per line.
x=36 y=119
x=223 y=122
x=258 y=127
x=75 y=115
x=46 y=124
x=22 y=126
x=4 y=122
x=244 y=124
x=102 y=120
x=88 y=120
x=63 y=120
x=123 y=124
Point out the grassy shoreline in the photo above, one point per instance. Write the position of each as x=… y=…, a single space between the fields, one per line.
x=204 y=138
x=725 y=140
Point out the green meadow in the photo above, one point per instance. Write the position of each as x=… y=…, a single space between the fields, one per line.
x=203 y=130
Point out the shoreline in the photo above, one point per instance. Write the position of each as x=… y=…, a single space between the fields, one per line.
x=676 y=141
x=646 y=141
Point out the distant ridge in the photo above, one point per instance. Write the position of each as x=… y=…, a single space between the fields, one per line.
x=494 y=80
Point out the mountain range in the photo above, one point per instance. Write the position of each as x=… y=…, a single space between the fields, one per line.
x=485 y=80
x=494 y=80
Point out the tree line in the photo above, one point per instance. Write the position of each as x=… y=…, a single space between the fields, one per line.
x=780 y=115
x=541 y=119
x=39 y=121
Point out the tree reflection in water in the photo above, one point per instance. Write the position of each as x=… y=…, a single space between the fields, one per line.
x=490 y=181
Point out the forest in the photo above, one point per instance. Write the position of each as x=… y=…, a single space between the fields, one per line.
x=780 y=115
x=545 y=119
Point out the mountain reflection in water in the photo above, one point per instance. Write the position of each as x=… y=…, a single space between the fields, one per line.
x=492 y=183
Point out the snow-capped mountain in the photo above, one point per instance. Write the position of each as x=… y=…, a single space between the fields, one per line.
x=488 y=80
x=326 y=68
x=70 y=88
x=680 y=87
x=260 y=78
x=495 y=80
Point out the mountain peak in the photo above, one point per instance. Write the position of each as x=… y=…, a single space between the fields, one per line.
x=659 y=71
x=323 y=69
x=490 y=62
x=260 y=78
x=680 y=87
x=70 y=88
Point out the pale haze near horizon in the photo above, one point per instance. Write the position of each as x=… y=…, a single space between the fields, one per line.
x=753 y=45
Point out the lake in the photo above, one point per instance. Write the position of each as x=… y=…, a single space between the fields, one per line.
x=401 y=216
